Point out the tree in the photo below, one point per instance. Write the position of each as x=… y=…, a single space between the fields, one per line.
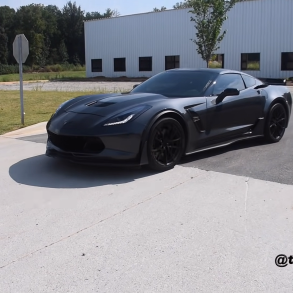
x=159 y=9
x=7 y=16
x=42 y=58
x=180 y=5
x=52 y=16
x=97 y=15
x=115 y=13
x=209 y=16
x=93 y=15
x=3 y=46
x=63 y=52
x=73 y=31
x=30 y=22
x=111 y=13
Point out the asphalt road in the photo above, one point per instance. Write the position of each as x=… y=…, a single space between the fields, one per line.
x=69 y=86
x=253 y=158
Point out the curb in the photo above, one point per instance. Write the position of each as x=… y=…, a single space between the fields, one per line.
x=39 y=128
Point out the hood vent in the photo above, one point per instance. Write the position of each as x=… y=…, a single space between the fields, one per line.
x=104 y=104
x=91 y=103
x=99 y=104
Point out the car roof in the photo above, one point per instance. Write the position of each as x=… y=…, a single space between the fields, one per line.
x=218 y=70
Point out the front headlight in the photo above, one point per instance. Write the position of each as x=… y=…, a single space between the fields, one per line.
x=127 y=115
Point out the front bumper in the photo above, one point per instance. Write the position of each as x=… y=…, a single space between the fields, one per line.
x=107 y=157
x=83 y=139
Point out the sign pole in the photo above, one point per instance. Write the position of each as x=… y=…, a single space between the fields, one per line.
x=20 y=79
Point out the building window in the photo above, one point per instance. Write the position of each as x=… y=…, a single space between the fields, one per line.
x=287 y=61
x=250 y=61
x=145 y=63
x=97 y=65
x=119 y=64
x=172 y=62
x=217 y=61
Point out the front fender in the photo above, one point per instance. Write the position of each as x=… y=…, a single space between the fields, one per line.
x=144 y=140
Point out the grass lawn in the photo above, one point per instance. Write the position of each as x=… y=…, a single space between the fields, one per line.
x=38 y=107
x=65 y=75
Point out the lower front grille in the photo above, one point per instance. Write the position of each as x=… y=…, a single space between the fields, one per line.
x=81 y=144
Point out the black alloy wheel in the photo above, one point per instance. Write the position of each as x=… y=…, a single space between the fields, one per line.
x=166 y=144
x=276 y=123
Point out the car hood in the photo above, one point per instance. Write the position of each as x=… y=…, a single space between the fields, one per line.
x=111 y=104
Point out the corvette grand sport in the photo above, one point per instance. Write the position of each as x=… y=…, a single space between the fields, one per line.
x=175 y=113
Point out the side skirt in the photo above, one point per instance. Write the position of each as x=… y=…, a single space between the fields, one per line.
x=222 y=144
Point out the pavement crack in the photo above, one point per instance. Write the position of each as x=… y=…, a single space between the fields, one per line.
x=97 y=223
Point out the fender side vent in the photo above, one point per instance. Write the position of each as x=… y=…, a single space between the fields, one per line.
x=198 y=123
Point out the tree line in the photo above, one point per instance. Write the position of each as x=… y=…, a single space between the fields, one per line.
x=56 y=36
x=178 y=5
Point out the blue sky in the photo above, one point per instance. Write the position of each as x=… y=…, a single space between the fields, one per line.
x=123 y=6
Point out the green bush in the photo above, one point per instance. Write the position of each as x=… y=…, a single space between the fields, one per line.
x=12 y=69
x=78 y=68
x=253 y=65
x=8 y=69
x=35 y=68
x=54 y=68
x=72 y=67
x=215 y=64
x=67 y=67
x=5 y=79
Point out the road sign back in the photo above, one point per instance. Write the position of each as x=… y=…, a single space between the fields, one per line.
x=20 y=44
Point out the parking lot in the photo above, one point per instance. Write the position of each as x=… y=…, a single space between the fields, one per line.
x=70 y=86
x=215 y=223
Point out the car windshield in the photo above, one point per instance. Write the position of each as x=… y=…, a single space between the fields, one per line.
x=178 y=83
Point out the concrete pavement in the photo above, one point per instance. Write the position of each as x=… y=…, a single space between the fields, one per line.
x=71 y=228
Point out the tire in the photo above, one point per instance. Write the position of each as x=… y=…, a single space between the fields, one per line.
x=275 y=123
x=166 y=144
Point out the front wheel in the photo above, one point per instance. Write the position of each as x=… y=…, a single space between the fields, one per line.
x=166 y=144
x=276 y=123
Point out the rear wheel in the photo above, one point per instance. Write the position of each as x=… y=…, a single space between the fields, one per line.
x=276 y=123
x=166 y=144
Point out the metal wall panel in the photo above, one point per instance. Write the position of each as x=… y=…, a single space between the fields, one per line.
x=259 y=26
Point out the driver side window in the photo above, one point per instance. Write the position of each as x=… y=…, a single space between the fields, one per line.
x=230 y=80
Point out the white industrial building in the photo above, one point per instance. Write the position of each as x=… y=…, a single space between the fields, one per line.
x=259 y=41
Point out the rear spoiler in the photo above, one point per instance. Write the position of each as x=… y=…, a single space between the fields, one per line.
x=273 y=81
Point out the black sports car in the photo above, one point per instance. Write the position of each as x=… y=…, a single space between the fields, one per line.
x=174 y=113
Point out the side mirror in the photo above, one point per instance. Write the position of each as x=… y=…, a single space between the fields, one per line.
x=227 y=92
x=135 y=86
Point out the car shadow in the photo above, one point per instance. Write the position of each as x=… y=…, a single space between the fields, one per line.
x=241 y=145
x=41 y=171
